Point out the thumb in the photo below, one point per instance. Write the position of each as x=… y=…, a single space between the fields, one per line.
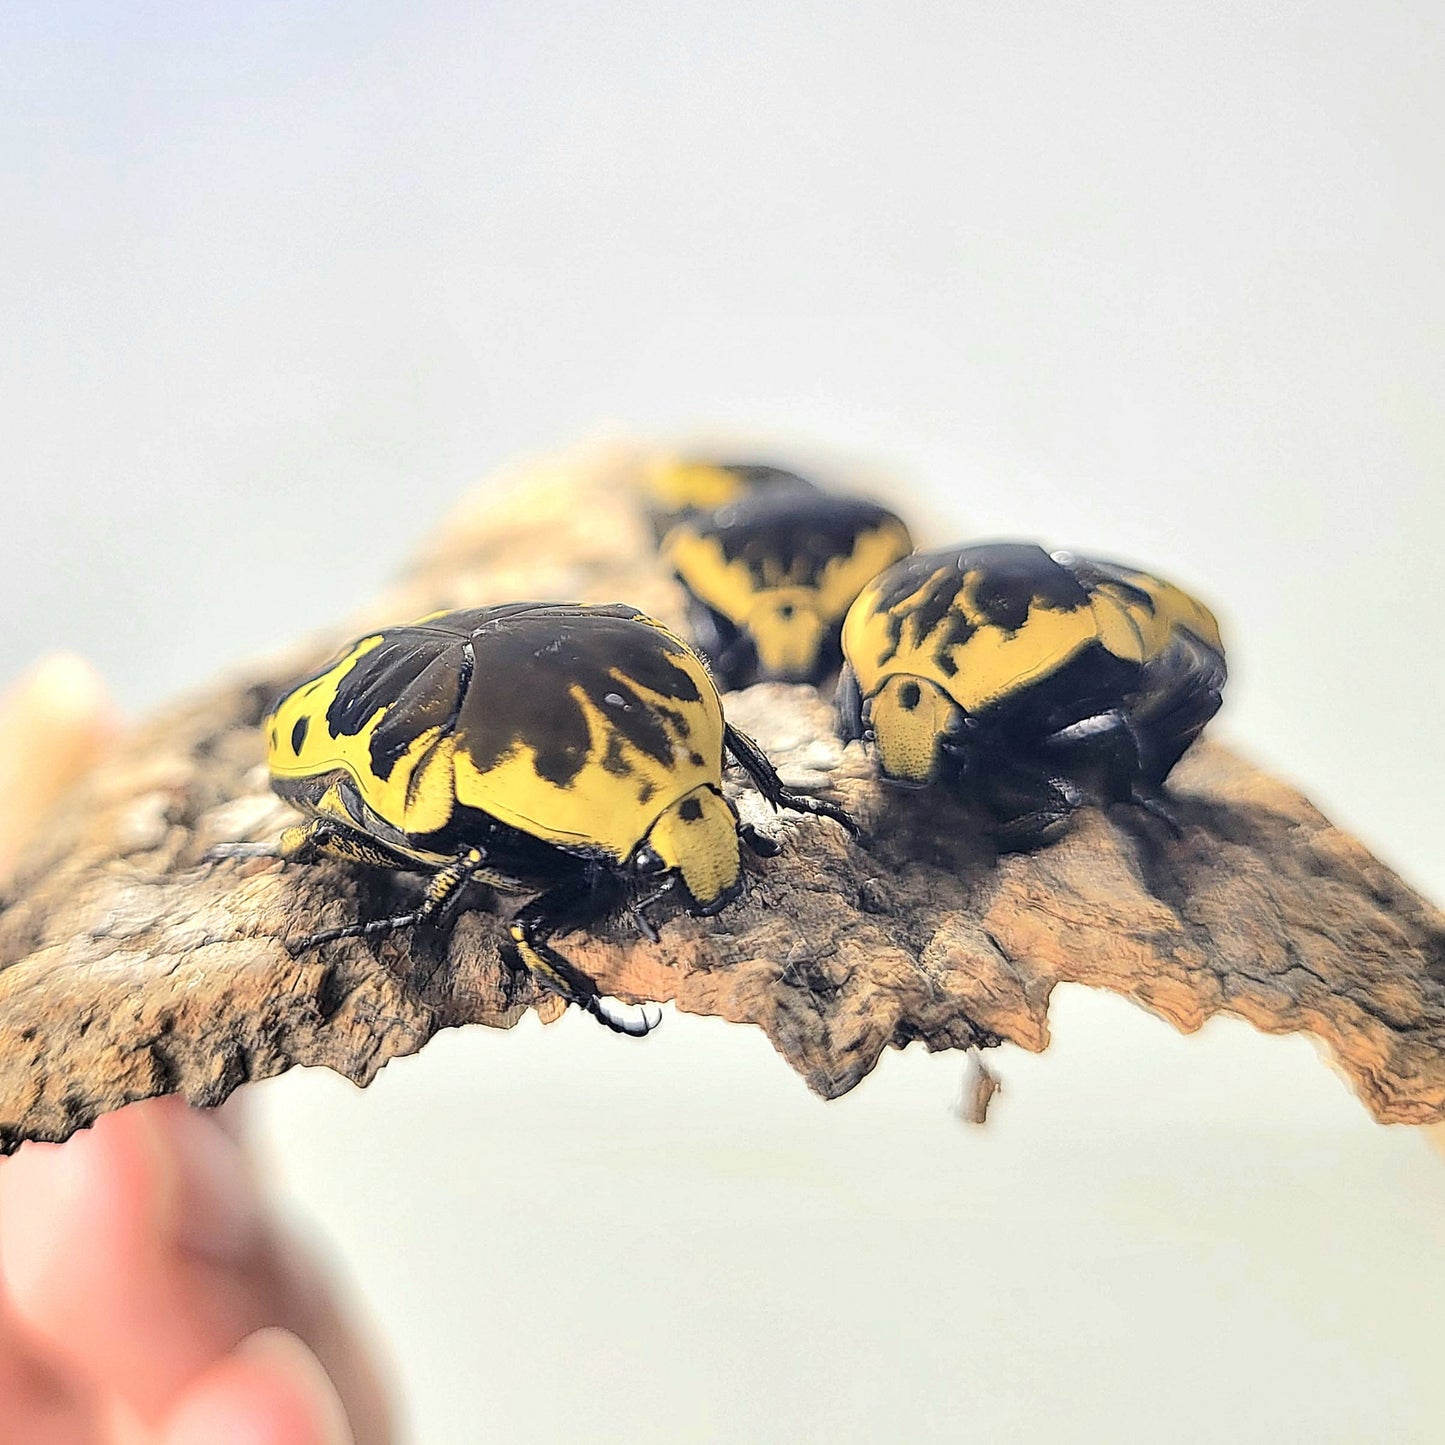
x=55 y=723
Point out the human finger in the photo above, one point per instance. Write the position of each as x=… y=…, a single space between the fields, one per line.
x=270 y=1390
x=128 y=1251
x=140 y=1253
x=55 y=722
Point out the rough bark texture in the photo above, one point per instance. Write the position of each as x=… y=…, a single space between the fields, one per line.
x=129 y=967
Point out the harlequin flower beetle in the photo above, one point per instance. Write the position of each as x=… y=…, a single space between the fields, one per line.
x=770 y=576
x=679 y=487
x=1033 y=681
x=568 y=751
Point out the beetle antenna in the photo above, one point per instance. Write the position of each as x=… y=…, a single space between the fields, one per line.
x=754 y=762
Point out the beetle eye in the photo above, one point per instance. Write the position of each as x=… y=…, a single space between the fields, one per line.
x=646 y=861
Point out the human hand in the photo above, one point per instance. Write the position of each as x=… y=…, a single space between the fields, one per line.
x=147 y=1295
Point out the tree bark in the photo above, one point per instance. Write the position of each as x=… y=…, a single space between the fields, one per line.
x=129 y=966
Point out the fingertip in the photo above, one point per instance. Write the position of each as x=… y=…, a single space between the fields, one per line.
x=64 y=688
x=270 y=1390
x=130 y=1250
x=55 y=721
x=77 y=1199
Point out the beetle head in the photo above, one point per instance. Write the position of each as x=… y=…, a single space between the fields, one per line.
x=787 y=631
x=911 y=718
x=696 y=841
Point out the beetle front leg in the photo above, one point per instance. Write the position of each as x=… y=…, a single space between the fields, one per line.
x=1106 y=740
x=572 y=905
x=754 y=762
x=1029 y=805
x=1110 y=741
x=848 y=705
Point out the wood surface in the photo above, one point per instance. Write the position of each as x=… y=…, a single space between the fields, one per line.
x=130 y=966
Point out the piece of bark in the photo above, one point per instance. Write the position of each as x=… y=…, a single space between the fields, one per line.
x=131 y=967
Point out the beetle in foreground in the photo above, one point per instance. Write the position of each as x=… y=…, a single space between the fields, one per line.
x=770 y=576
x=571 y=751
x=1033 y=680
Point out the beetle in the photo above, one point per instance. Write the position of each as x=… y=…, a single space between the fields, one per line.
x=770 y=576
x=570 y=751
x=679 y=487
x=1034 y=680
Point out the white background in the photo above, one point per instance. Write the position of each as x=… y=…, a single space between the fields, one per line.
x=1160 y=281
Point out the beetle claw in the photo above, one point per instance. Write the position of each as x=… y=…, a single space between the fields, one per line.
x=619 y=1023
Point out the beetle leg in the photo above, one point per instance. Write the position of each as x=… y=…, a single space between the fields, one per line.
x=1112 y=739
x=638 y=909
x=754 y=762
x=730 y=651
x=1029 y=802
x=759 y=843
x=1107 y=739
x=319 y=838
x=848 y=705
x=298 y=844
x=568 y=906
x=443 y=889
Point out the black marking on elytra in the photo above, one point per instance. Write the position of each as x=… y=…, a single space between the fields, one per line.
x=791 y=533
x=510 y=676
x=752 y=477
x=1093 y=573
x=1012 y=578
x=298 y=733
x=533 y=661
x=414 y=676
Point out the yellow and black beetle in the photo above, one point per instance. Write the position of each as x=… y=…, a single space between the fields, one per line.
x=567 y=750
x=1035 y=680
x=680 y=487
x=770 y=576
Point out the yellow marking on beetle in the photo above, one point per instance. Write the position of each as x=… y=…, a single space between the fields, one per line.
x=541 y=965
x=416 y=797
x=1173 y=608
x=698 y=837
x=991 y=664
x=676 y=484
x=787 y=616
x=1124 y=626
x=788 y=632
x=910 y=717
x=599 y=807
x=431 y=789
x=320 y=751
